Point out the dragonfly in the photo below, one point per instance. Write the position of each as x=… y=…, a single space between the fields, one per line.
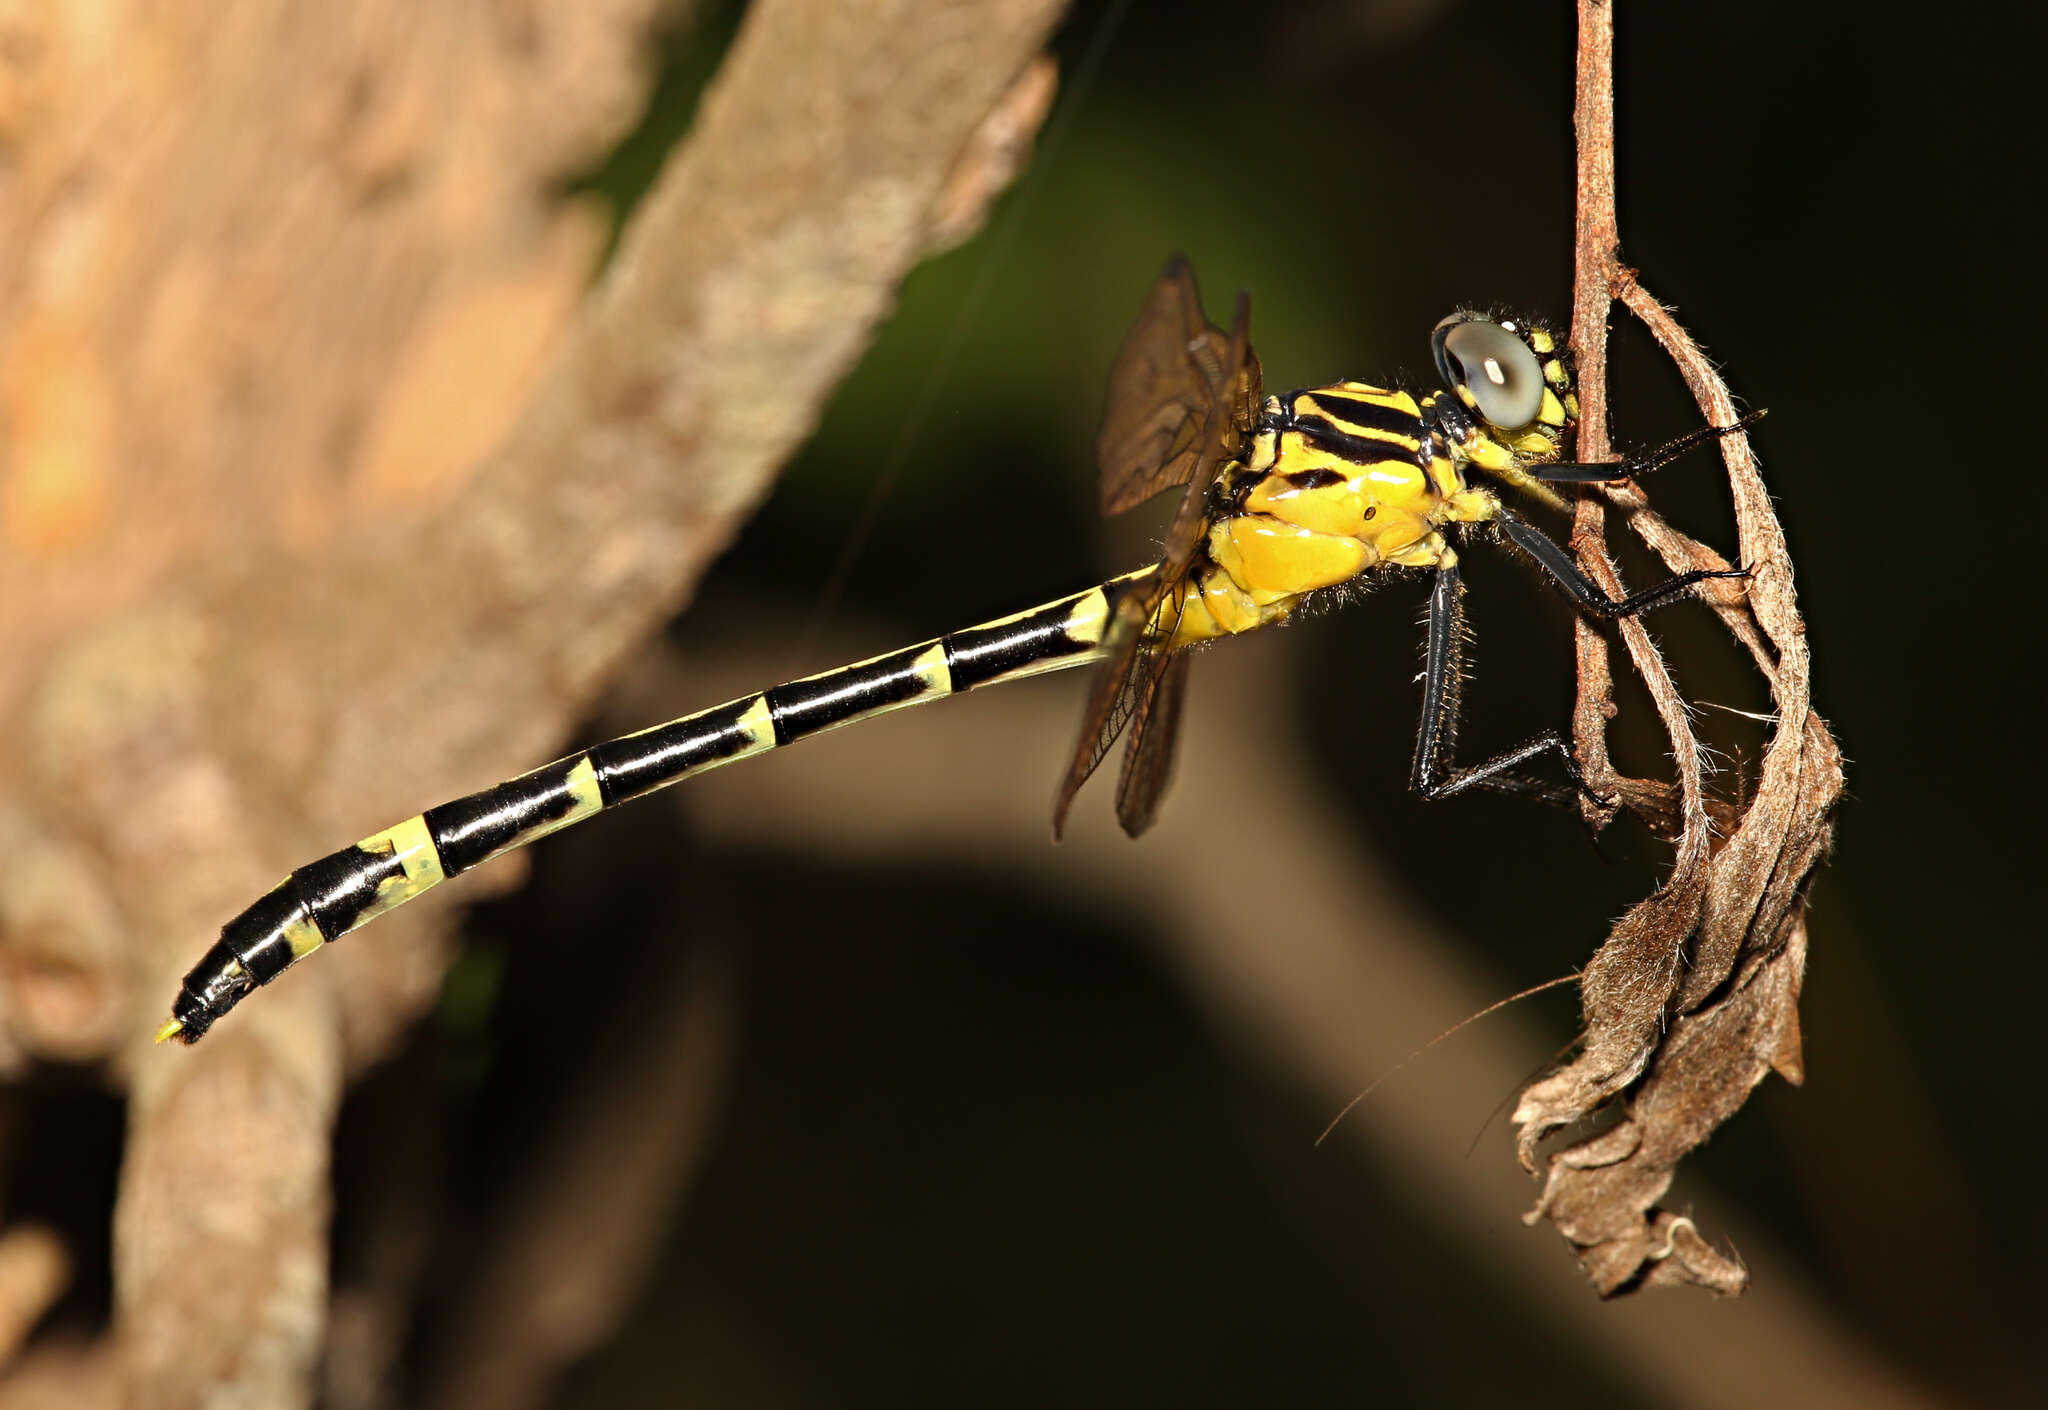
x=1287 y=501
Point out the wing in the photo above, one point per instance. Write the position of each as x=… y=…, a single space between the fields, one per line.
x=1124 y=681
x=1128 y=684
x=1163 y=392
x=1148 y=764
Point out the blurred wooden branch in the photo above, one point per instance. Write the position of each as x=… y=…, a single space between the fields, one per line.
x=328 y=491
x=34 y=1267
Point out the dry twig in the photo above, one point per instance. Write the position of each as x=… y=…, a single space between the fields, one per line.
x=1694 y=995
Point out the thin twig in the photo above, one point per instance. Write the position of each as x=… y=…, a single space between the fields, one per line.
x=1596 y=245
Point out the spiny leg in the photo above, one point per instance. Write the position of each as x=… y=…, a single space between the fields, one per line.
x=1435 y=775
x=1582 y=473
x=1582 y=590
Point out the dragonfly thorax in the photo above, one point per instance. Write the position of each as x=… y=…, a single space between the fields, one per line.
x=1338 y=481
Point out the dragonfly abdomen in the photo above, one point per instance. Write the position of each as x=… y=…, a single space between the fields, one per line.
x=324 y=900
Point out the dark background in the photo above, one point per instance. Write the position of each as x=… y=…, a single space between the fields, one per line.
x=1005 y=1162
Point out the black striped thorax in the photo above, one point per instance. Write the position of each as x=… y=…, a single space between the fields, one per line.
x=1345 y=433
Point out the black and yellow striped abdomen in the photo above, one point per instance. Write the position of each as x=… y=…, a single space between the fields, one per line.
x=324 y=900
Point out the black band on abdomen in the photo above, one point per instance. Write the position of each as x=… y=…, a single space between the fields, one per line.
x=805 y=707
x=473 y=829
x=980 y=655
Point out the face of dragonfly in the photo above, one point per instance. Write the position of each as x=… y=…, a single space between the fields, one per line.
x=1510 y=374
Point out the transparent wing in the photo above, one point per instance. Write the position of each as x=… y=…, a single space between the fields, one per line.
x=1161 y=393
x=1155 y=730
x=1128 y=684
x=1136 y=656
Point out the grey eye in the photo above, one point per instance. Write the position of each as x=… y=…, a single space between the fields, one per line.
x=1503 y=376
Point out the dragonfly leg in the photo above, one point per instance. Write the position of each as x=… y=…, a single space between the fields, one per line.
x=1579 y=473
x=1582 y=590
x=1435 y=775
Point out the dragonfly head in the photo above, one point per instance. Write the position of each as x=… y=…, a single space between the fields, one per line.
x=1513 y=375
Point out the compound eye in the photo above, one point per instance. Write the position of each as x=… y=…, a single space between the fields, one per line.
x=1503 y=376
